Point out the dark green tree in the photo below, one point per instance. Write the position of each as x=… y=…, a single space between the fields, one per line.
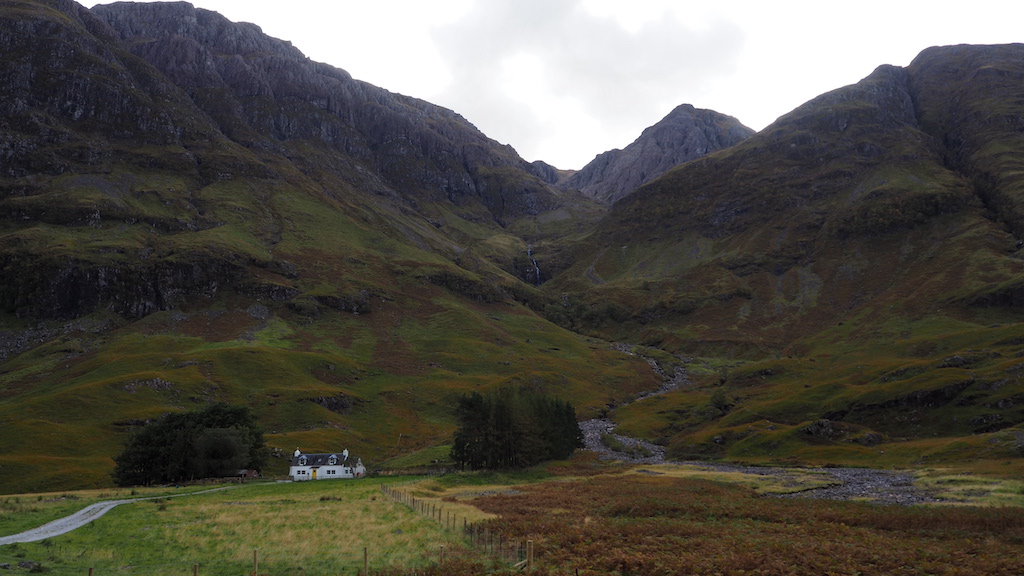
x=513 y=427
x=216 y=441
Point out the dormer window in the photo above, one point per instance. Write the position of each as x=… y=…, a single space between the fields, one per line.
x=302 y=460
x=332 y=460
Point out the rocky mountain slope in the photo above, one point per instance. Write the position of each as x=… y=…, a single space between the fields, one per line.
x=685 y=134
x=260 y=91
x=191 y=211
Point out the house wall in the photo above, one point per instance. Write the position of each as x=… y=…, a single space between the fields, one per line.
x=300 y=473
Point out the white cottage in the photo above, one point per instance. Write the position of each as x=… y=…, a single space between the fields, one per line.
x=325 y=466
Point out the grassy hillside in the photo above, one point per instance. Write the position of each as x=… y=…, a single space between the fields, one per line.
x=378 y=383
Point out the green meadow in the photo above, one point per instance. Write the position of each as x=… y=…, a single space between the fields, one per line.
x=293 y=528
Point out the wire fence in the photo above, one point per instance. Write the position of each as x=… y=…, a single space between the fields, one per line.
x=516 y=552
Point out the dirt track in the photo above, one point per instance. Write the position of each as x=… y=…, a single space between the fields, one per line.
x=80 y=518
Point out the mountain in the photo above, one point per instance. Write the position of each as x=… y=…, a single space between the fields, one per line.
x=685 y=134
x=193 y=212
x=863 y=251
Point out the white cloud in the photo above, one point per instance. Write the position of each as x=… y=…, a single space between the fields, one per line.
x=536 y=74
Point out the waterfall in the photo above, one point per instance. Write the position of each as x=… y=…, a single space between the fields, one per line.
x=536 y=268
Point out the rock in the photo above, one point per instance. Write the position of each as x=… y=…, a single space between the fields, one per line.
x=339 y=404
x=685 y=134
x=871 y=439
x=258 y=312
x=822 y=428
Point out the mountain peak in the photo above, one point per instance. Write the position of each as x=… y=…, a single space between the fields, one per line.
x=686 y=133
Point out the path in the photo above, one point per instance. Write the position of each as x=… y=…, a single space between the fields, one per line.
x=881 y=486
x=81 y=518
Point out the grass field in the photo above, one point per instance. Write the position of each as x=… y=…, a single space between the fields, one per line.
x=297 y=528
x=583 y=515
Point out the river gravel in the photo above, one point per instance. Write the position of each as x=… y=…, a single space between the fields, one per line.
x=880 y=486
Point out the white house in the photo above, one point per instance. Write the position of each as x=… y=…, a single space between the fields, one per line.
x=325 y=466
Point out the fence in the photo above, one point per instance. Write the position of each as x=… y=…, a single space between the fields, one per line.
x=518 y=553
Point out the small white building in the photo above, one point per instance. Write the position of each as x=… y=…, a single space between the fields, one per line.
x=325 y=466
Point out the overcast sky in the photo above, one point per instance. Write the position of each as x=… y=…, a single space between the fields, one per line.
x=564 y=80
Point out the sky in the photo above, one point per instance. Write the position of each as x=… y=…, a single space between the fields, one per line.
x=564 y=80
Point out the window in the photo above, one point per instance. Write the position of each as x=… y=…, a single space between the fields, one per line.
x=302 y=460
x=332 y=460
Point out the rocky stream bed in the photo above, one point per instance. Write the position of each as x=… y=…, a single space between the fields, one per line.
x=880 y=486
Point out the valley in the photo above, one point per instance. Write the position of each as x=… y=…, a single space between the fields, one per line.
x=192 y=212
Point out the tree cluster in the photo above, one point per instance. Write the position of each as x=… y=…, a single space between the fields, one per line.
x=513 y=428
x=217 y=441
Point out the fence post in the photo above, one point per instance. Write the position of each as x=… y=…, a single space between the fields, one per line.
x=366 y=562
x=529 y=555
x=255 y=562
x=442 y=554
x=195 y=570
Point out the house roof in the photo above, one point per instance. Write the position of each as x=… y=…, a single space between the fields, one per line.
x=323 y=459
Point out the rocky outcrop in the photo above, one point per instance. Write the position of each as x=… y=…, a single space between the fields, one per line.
x=685 y=134
x=69 y=99
x=69 y=289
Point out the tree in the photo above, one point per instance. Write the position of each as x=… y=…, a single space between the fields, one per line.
x=513 y=427
x=216 y=441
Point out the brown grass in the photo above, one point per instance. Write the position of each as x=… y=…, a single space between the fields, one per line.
x=645 y=525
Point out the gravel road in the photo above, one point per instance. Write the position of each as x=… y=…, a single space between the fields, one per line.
x=881 y=486
x=81 y=518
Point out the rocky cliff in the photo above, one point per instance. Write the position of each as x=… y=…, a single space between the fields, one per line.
x=685 y=134
x=261 y=91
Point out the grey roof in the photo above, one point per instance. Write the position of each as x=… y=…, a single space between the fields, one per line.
x=321 y=459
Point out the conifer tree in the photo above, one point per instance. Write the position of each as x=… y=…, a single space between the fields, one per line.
x=513 y=427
